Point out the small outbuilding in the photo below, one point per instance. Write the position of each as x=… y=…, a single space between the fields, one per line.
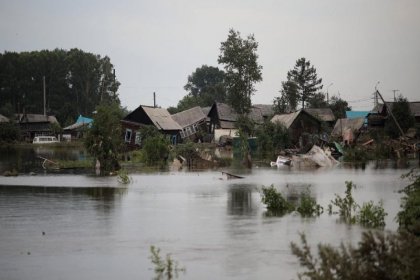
x=298 y=123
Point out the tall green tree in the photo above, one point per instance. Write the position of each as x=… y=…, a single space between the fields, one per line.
x=305 y=80
x=207 y=85
x=103 y=140
x=240 y=59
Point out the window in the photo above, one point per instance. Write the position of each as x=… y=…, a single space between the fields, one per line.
x=137 y=140
x=128 y=135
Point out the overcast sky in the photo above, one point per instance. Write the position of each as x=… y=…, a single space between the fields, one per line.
x=154 y=45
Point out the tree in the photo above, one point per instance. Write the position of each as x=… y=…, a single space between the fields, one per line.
x=339 y=107
x=205 y=86
x=104 y=140
x=317 y=101
x=306 y=81
x=288 y=100
x=402 y=113
x=239 y=57
x=76 y=82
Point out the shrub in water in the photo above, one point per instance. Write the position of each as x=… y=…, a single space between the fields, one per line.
x=371 y=215
x=164 y=268
x=347 y=206
x=378 y=256
x=308 y=206
x=274 y=200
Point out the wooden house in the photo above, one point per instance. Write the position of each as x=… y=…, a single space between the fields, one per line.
x=32 y=125
x=379 y=113
x=298 y=123
x=191 y=121
x=348 y=129
x=146 y=115
x=223 y=120
x=325 y=115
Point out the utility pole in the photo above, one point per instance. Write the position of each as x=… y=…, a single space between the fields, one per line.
x=395 y=90
x=328 y=97
x=45 y=99
x=154 y=100
x=390 y=113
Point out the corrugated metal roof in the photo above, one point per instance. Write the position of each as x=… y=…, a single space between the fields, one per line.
x=324 y=114
x=356 y=114
x=343 y=124
x=189 y=117
x=161 y=118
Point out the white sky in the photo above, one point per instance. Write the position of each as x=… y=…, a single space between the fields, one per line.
x=154 y=45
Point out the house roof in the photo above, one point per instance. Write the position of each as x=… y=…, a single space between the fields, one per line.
x=3 y=119
x=288 y=119
x=35 y=118
x=161 y=118
x=324 y=114
x=345 y=124
x=82 y=119
x=356 y=114
x=267 y=110
x=226 y=113
x=189 y=117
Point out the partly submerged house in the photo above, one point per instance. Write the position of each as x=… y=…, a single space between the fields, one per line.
x=348 y=129
x=191 y=121
x=77 y=129
x=298 y=123
x=146 y=115
x=325 y=115
x=223 y=120
x=32 y=125
x=379 y=113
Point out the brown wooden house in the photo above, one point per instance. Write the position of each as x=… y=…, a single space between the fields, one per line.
x=298 y=123
x=146 y=115
x=191 y=121
x=32 y=125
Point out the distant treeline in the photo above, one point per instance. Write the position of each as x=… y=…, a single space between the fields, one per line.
x=76 y=81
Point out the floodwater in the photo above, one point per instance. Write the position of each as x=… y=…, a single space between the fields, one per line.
x=86 y=227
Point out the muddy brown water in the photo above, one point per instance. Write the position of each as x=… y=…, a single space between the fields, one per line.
x=57 y=226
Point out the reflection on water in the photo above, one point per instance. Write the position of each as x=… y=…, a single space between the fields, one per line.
x=26 y=159
x=240 y=199
x=95 y=229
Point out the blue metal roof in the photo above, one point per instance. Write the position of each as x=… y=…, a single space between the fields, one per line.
x=82 y=119
x=356 y=114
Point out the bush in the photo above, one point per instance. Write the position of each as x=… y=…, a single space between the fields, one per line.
x=275 y=202
x=164 y=269
x=409 y=217
x=371 y=215
x=346 y=206
x=308 y=206
x=378 y=256
x=156 y=150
